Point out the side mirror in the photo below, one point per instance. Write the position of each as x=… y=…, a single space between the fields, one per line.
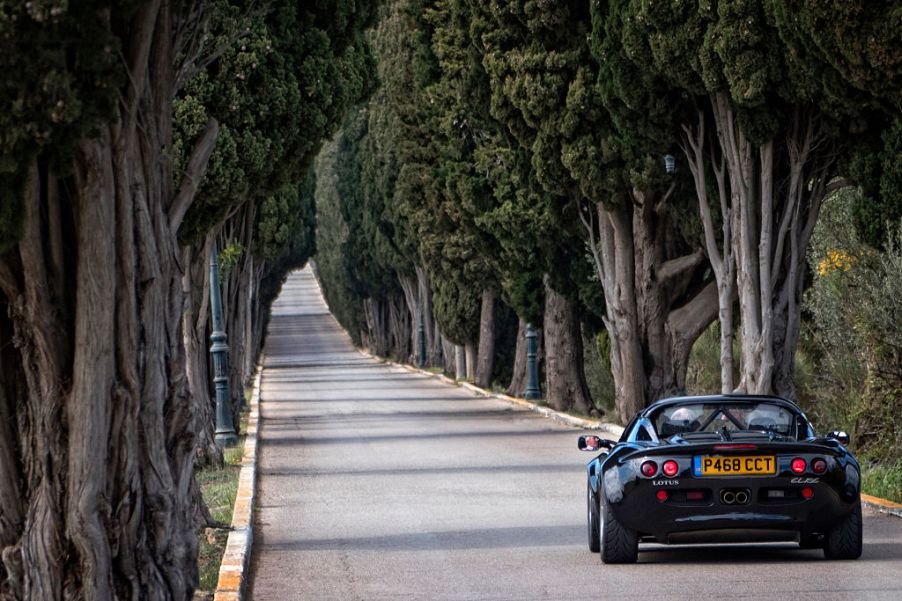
x=593 y=443
x=839 y=435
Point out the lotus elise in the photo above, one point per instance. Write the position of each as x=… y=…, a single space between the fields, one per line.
x=727 y=468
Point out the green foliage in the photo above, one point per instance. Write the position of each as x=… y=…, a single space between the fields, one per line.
x=858 y=39
x=60 y=77
x=229 y=256
x=878 y=169
x=883 y=481
x=599 y=378
x=333 y=266
x=286 y=223
x=530 y=53
x=283 y=83
x=286 y=234
x=853 y=333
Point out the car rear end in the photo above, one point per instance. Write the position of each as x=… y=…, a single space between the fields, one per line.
x=732 y=492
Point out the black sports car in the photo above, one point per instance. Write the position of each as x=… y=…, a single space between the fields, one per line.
x=727 y=468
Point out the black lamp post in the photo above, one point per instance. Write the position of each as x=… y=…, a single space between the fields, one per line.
x=225 y=429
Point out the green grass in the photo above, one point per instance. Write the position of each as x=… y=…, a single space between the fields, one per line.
x=219 y=486
x=883 y=481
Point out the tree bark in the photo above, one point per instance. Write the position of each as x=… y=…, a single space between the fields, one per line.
x=196 y=288
x=448 y=355
x=470 y=360
x=776 y=191
x=485 y=361
x=410 y=289
x=434 y=347
x=399 y=327
x=460 y=362
x=103 y=436
x=236 y=283
x=720 y=256
x=653 y=310
x=565 y=379
x=518 y=378
x=376 y=339
x=127 y=528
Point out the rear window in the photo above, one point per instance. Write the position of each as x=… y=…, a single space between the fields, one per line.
x=715 y=417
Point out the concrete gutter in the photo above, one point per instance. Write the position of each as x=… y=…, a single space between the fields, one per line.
x=234 y=570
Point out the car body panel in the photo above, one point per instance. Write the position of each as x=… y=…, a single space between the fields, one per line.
x=776 y=508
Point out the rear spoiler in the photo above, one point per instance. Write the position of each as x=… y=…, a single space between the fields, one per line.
x=722 y=447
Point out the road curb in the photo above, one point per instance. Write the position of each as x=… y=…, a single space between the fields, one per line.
x=233 y=571
x=882 y=505
x=558 y=416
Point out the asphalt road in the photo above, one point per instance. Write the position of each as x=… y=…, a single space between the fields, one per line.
x=378 y=483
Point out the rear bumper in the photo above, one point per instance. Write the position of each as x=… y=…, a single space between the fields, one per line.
x=764 y=517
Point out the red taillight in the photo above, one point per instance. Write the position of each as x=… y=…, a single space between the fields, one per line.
x=807 y=492
x=670 y=468
x=662 y=495
x=695 y=495
x=649 y=469
x=798 y=465
x=818 y=466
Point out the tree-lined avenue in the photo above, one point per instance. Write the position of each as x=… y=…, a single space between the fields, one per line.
x=379 y=483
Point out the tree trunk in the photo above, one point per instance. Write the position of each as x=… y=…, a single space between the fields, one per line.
x=448 y=355
x=410 y=289
x=103 y=429
x=434 y=347
x=485 y=361
x=11 y=500
x=776 y=191
x=375 y=339
x=518 y=378
x=196 y=288
x=720 y=256
x=460 y=362
x=565 y=380
x=651 y=324
x=470 y=360
x=236 y=282
x=399 y=327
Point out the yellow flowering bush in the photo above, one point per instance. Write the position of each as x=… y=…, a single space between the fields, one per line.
x=836 y=260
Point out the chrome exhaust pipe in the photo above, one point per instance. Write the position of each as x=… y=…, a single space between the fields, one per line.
x=728 y=497
x=742 y=497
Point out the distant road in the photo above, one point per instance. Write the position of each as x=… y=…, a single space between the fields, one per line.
x=377 y=483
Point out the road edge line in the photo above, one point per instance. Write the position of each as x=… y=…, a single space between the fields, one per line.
x=233 y=571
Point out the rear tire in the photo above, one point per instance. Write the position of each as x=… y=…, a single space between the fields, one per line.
x=618 y=543
x=844 y=541
x=592 y=519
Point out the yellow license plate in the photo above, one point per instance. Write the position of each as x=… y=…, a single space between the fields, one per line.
x=719 y=465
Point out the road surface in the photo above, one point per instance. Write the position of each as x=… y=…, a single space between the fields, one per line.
x=379 y=483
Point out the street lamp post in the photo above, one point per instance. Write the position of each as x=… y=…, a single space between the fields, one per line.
x=533 y=392
x=225 y=429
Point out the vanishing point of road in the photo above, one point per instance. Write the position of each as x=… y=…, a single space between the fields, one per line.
x=376 y=483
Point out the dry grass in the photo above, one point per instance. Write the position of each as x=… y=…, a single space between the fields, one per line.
x=219 y=486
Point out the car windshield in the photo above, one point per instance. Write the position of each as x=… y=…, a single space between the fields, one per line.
x=720 y=417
